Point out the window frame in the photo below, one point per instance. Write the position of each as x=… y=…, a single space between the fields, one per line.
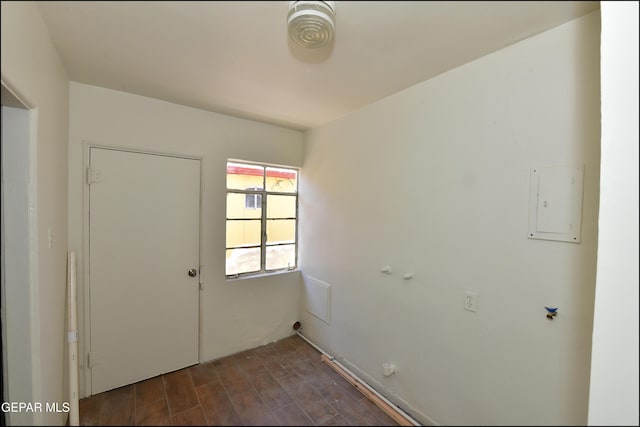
x=263 y=193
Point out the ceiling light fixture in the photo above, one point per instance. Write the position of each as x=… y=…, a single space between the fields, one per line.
x=311 y=23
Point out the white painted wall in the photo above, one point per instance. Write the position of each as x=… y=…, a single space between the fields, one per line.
x=434 y=180
x=32 y=69
x=236 y=315
x=613 y=399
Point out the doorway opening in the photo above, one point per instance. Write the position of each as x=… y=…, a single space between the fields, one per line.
x=18 y=223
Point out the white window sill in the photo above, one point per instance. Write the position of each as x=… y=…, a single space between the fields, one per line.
x=261 y=275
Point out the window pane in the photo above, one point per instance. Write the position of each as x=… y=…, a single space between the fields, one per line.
x=237 y=205
x=281 y=257
x=281 y=206
x=282 y=180
x=241 y=176
x=244 y=260
x=243 y=233
x=281 y=231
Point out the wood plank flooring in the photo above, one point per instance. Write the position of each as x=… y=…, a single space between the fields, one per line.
x=282 y=383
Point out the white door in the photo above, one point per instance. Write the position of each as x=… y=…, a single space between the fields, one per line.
x=143 y=240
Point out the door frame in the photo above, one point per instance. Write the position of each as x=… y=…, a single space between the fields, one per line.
x=84 y=285
x=22 y=383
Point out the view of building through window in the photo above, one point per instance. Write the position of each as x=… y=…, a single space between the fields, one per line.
x=261 y=218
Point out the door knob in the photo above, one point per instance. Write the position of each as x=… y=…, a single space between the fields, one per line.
x=192 y=273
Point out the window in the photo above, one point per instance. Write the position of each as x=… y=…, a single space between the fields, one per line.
x=253 y=201
x=262 y=211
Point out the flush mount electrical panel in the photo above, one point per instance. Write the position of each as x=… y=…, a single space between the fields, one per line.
x=555 y=203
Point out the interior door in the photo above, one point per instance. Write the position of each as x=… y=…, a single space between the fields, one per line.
x=143 y=265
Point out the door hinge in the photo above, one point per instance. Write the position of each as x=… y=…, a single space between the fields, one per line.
x=92 y=359
x=93 y=175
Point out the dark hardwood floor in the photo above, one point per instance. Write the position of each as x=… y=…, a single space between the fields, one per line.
x=282 y=383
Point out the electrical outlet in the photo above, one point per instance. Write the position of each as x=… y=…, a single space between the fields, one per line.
x=470 y=301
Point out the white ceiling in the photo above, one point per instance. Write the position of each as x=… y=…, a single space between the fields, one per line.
x=234 y=57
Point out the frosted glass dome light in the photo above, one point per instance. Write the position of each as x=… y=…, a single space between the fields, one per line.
x=311 y=23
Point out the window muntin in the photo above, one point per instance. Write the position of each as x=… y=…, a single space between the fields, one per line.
x=261 y=230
